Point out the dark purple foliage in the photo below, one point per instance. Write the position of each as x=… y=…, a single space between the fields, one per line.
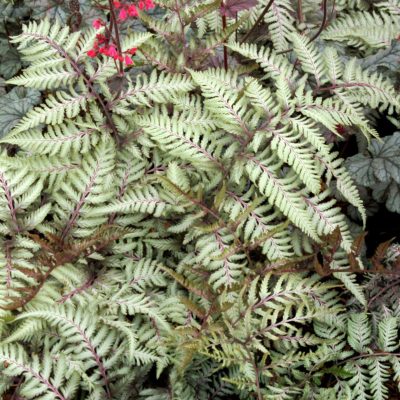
x=230 y=8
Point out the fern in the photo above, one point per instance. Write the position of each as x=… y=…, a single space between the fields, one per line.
x=279 y=191
x=87 y=188
x=310 y=59
x=363 y=29
x=280 y=23
x=45 y=378
x=56 y=108
x=70 y=136
x=160 y=220
x=156 y=89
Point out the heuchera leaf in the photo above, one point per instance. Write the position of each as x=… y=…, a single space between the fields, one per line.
x=386 y=58
x=360 y=168
x=386 y=154
x=380 y=170
x=230 y=8
x=14 y=105
x=389 y=192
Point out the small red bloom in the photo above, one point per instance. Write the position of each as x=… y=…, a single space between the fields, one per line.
x=104 y=44
x=100 y=38
x=97 y=23
x=132 y=11
x=132 y=50
x=112 y=52
x=128 y=60
x=149 y=4
x=92 y=53
x=123 y=15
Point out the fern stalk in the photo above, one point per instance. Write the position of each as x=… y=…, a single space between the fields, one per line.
x=259 y=19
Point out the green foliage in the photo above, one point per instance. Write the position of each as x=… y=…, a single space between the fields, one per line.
x=153 y=222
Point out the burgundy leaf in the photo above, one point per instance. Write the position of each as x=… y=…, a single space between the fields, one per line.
x=230 y=8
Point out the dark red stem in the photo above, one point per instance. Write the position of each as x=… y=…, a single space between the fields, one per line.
x=225 y=48
x=113 y=24
x=259 y=19
x=321 y=28
x=300 y=15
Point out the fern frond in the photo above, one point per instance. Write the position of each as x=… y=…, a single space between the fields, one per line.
x=94 y=344
x=258 y=226
x=350 y=282
x=379 y=373
x=156 y=88
x=344 y=182
x=311 y=60
x=54 y=110
x=332 y=112
x=333 y=64
x=19 y=190
x=360 y=380
x=54 y=77
x=359 y=331
x=86 y=190
x=388 y=331
x=370 y=89
x=280 y=23
x=230 y=111
x=311 y=133
x=260 y=97
x=144 y=200
x=189 y=144
x=280 y=191
x=273 y=64
x=18 y=269
x=327 y=218
x=363 y=29
x=45 y=378
x=144 y=273
x=69 y=137
x=290 y=149
x=218 y=254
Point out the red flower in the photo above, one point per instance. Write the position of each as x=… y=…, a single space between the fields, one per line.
x=97 y=23
x=104 y=44
x=132 y=50
x=149 y=4
x=128 y=60
x=92 y=53
x=132 y=11
x=100 y=38
x=123 y=15
x=112 y=52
